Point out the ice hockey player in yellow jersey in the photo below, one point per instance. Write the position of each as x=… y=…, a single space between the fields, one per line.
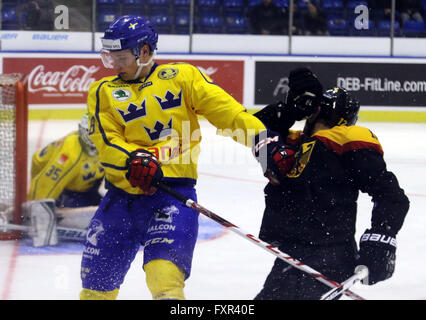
x=144 y=123
x=68 y=170
x=65 y=174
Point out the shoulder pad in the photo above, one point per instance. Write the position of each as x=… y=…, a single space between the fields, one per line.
x=342 y=139
x=72 y=146
x=293 y=137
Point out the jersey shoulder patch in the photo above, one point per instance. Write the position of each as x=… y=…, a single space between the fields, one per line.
x=343 y=139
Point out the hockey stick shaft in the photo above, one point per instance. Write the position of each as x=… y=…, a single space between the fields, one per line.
x=361 y=272
x=266 y=246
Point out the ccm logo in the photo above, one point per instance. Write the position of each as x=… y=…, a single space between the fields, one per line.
x=378 y=238
x=264 y=142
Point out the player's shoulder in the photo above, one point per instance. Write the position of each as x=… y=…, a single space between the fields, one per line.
x=345 y=134
x=347 y=138
x=71 y=145
x=361 y=133
x=171 y=70
x=176 y=65
x=180 y=72
x=294 y=136
x=98 y=83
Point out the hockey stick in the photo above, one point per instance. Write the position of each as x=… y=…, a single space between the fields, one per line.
x=266 y=246
x=361 y=272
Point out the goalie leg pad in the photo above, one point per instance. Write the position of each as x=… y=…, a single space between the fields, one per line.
x=43 y=222
x=87 y=294
x=165 y=280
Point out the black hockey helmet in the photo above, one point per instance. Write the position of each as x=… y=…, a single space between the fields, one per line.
x=339 y=107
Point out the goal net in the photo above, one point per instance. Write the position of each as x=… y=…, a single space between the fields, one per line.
x=13 y=149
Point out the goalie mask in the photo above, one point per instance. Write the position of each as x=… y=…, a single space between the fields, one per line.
x=122 y=42
x=339 y=107
x=85 y=141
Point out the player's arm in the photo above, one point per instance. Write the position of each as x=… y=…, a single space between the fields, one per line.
x=220 y=108
x=305 y=91
x=364 y=161
x=38 y=162
x=54 y=177
x=274 y=149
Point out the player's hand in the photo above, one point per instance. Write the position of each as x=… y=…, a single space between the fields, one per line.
x=143 y=171
x=304 y=94
x=275 y=157
x=377 y=253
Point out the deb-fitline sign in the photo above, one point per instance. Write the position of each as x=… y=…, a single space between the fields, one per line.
x=374 y=84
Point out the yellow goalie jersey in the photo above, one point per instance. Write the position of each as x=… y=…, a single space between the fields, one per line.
x=159 y=114
x=63 y=165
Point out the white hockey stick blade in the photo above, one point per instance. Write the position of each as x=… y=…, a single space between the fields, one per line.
x=361 y=272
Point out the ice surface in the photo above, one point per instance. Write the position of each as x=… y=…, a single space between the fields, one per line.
x=228 y=267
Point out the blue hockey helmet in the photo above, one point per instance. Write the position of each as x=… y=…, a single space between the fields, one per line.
x=130 y=32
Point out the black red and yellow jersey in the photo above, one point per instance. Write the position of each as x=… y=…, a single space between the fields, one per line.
x=316 y=202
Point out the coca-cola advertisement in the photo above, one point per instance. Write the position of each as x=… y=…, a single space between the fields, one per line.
x=57 y=80
x=67 y=80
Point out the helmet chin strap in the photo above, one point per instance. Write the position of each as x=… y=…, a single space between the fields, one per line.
x=142 y=65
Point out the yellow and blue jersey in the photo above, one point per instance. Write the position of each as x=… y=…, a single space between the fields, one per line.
x=63 y=165
x=160 y=114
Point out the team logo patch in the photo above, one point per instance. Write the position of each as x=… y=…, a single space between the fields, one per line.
x=302 y=158
x=166 y=214
x=96 y=228
x=170 y=100
x=133 y=112
x=121 y=94
x=63 y=158
x=167 y=73
x=160 y=130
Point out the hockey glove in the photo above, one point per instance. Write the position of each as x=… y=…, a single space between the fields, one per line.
x=377 y=253
x=275 y=157
x=304 y=94
x=276 y=117
x=143 y=171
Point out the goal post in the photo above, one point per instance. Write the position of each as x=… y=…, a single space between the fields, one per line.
x=13 y=148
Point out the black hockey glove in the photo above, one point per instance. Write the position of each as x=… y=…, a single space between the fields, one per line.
x=304 y=94
x=277 y=117
x=377 y=252
x=275 y=157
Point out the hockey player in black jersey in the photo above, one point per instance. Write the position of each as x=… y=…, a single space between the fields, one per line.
x=315 y=176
